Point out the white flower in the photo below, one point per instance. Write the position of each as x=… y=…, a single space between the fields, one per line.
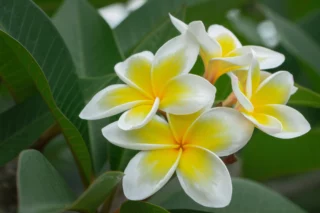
x=222 y=52
x=262 y=97
x=153 y=83
x=188 y=145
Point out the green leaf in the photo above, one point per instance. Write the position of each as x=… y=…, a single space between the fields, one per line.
x=6 y=100
x=50 y=194
x=278 y=157
x=305 y=97
x=299 y=43
x=97 y=192
x=140 y=207
x=13 y=73
x=94 y=51
x=186 y=211
x=149 y=27
x=50 y=6
x=21 y=126
x=52 y=70
x=92 y=46
x=247 y=197
x=41 y=189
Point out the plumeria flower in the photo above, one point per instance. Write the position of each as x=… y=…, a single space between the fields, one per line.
x=153 y=83
x=222 y=52
x=189 y=145
x=262 y=97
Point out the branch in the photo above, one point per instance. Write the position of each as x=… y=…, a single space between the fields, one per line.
x=46 y=137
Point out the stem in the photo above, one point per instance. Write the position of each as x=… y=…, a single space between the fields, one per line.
x=46 y=137
x=230 y=159
x=108 y=202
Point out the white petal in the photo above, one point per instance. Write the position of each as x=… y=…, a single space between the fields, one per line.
x=155 y=135
x=275 y=89
x=187 y=94
x=148 y=172
x=139 y=116
x=227 y=40
x=204 y=177
x=136 y=71
x=221 y=130
x=241 y=97
x=210 y=48
x=179 y=25
x=267 y=58
x=113 y=100
x=175 y=57
x=293 y=122
x=253 y=79
x=265 y=123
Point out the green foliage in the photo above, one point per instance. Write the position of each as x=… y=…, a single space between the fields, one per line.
x=140 y=207
x=50 y=194
x=16 y=136
x=247 y=197
x=288 y=156
x=52 y=70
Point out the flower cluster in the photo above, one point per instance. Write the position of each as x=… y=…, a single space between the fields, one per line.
x=168 y=112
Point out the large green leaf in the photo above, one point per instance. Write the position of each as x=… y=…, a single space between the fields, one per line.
x=140 y=207
x=6 y=100
x=97 y=192
x=149 y=27
x=13 y=73
x=186 y=211
x=21 y=126
x=50 y=6
x=267 y=157
x=305 y=97
x=88 y=37
x=95 y=53
x=247 y=197
x=42 y=190
x=298 y=43
x=39 y=47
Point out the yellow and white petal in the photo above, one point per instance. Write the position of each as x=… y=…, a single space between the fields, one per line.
x=264 y=75
x=220 y=66
x=175 y=57
x=267 y=58
x=221 y=130
x=204 y=177
x=136 y=71
x=265 y=123
x=239 y=93
x=138 y=116
x=275 y=89
x=156 y=134
x=179 y=25
x=113 y=100
x=148 y=172
x=186 y=94
x=293 y=122
x=227 y=40
x=209 y=48
x=253 y=79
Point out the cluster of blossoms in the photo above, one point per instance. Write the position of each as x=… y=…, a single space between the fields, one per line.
x=169 y=115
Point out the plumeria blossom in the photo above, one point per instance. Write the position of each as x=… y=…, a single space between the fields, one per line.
x=222 y=52
x=262 y=97
x=153 y=83
x=189 y=145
